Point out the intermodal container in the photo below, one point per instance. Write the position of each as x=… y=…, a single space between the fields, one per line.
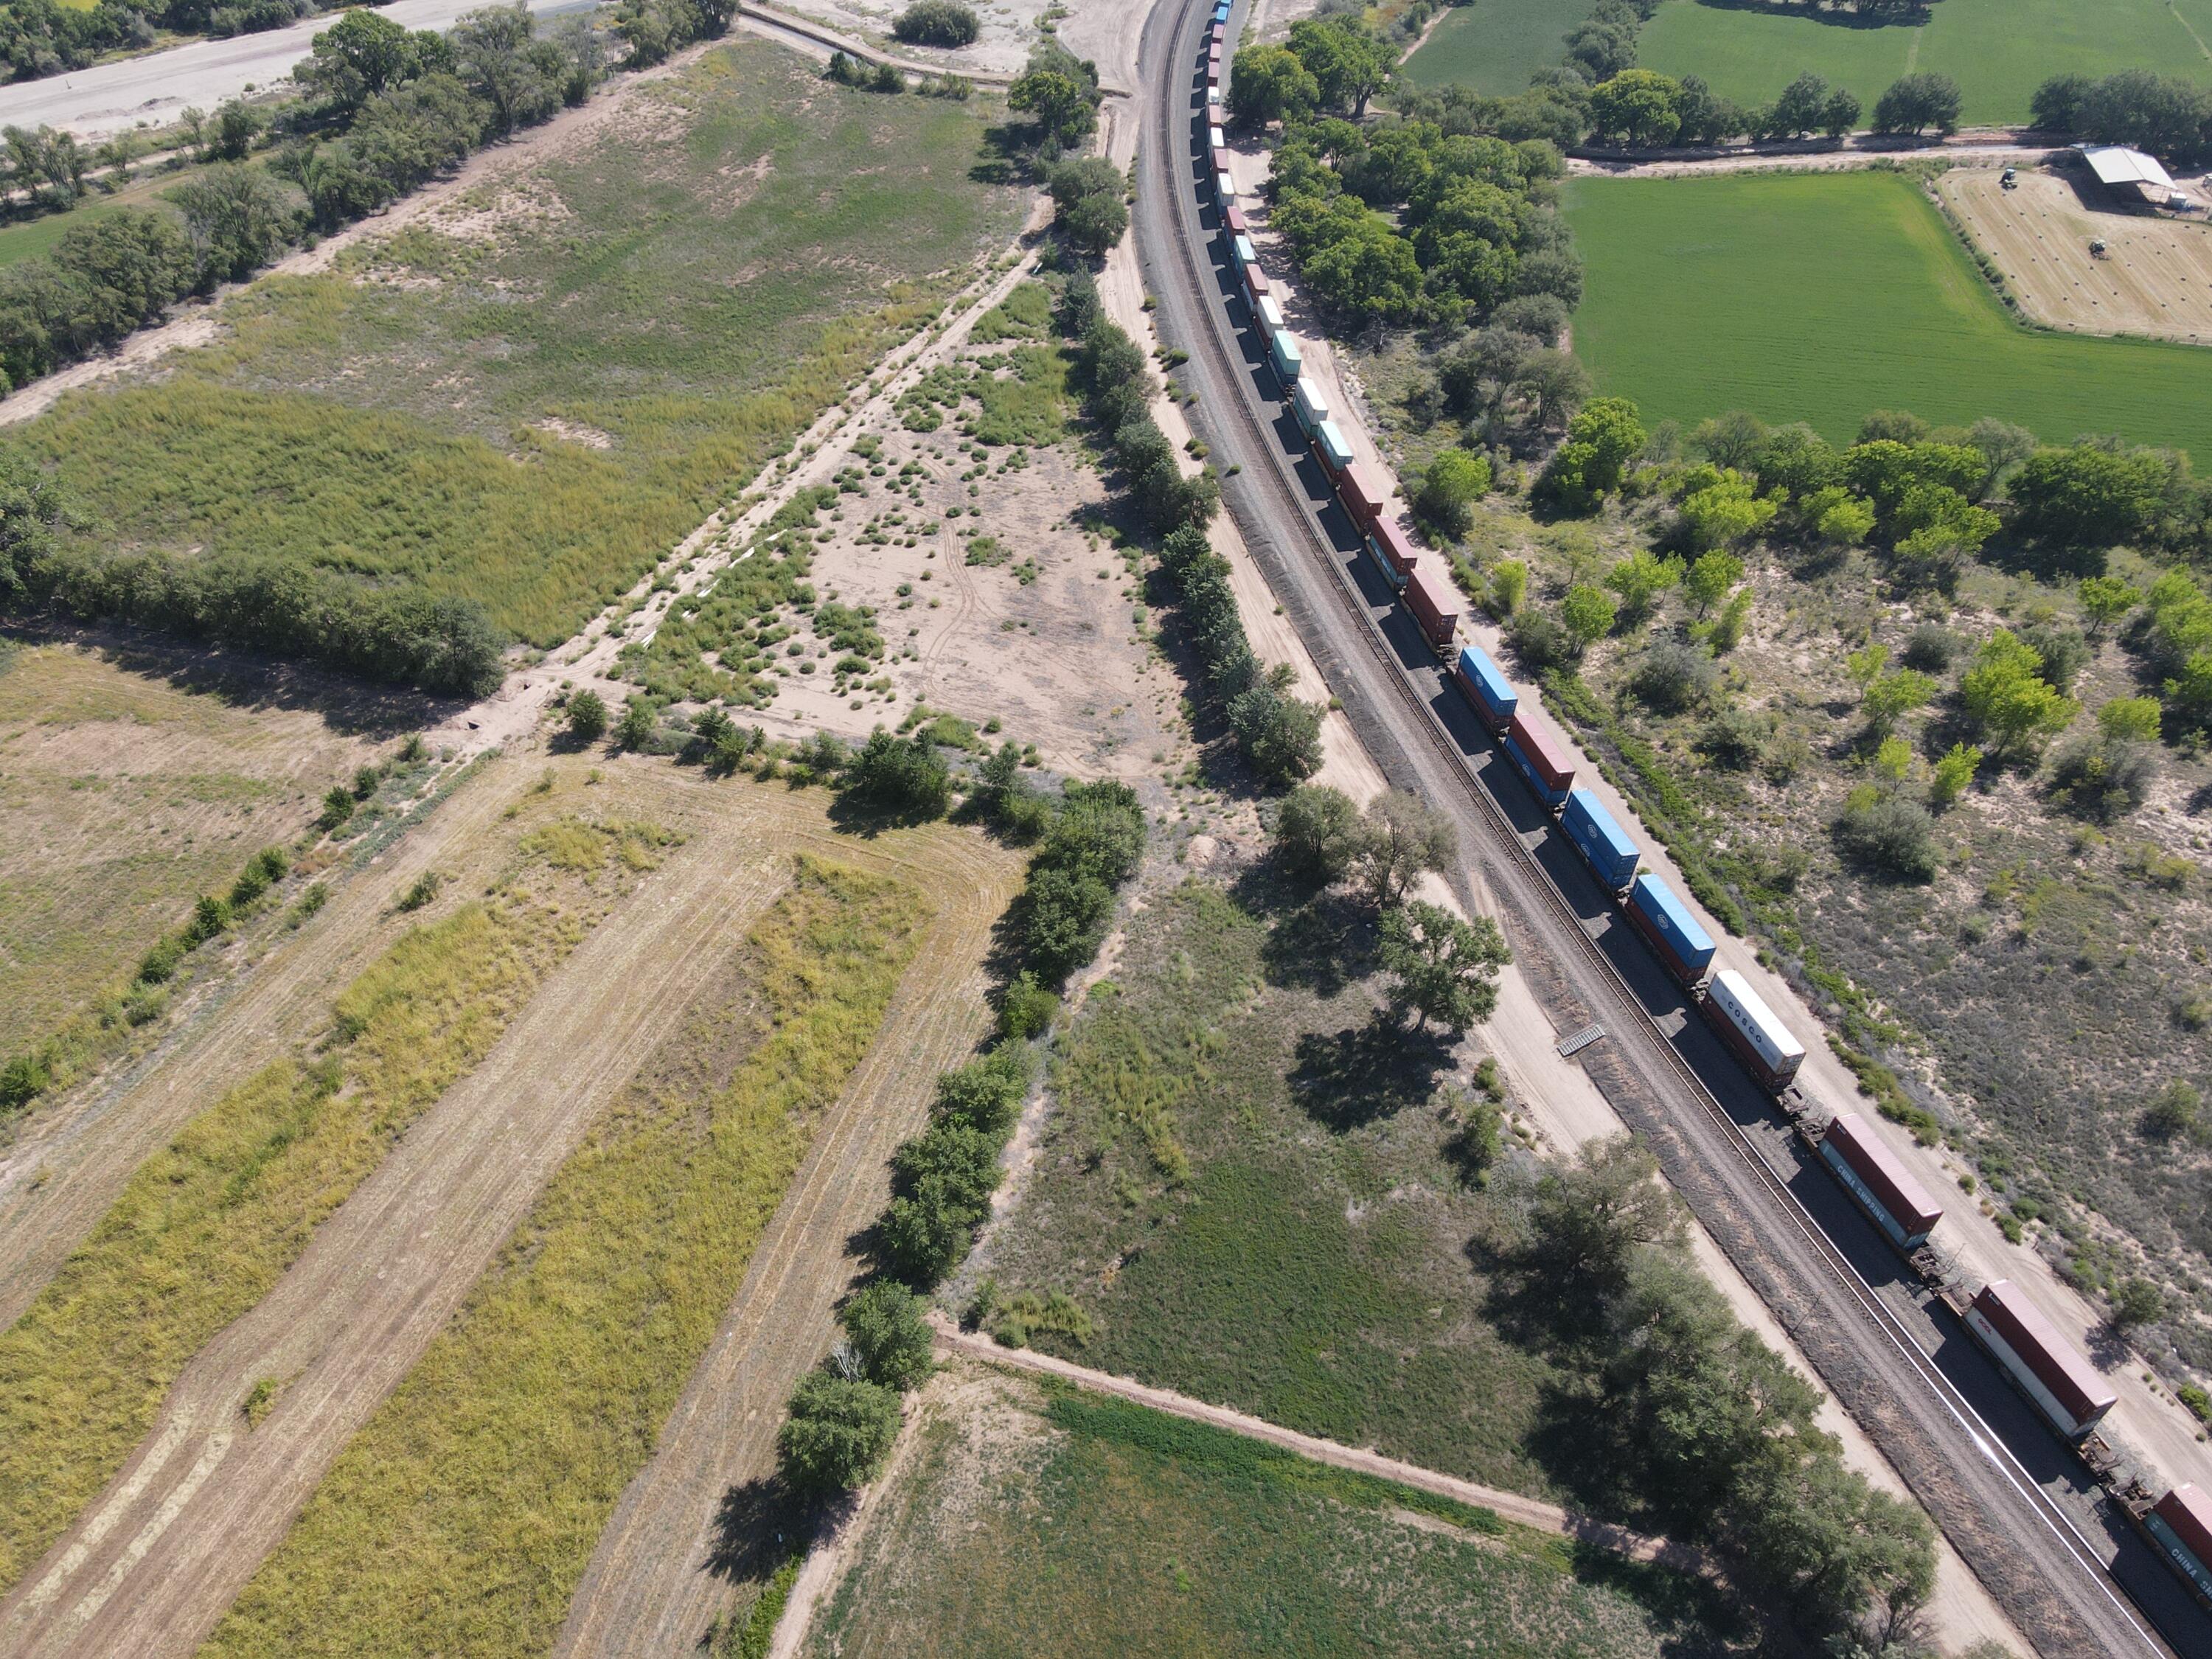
x=1283 y=352
x=1391 y=549
x=1255 y=282
x=1220 y=30
x=1538 y=761
x=1232 y=220
x=1750 y=1029
x=1434 y=606
x=1878 y=1179
x=1604 y=845
x=1356 y=488
x=1495 y=699
x=2050 y=1370
x=1271 y=314
x=1215 y=139
x=1329 y=444
x=1214 y=91
x=1307 y=405
x=1213 y=54
x=1668 y=927
x=1247 y=255
x=1225 y=188
x=2182 y=1522
x=1221 y=14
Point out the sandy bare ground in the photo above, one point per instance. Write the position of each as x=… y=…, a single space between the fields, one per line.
x=2156 y=279
x=74 y=1155
x=1984 y=144
x=154 y=1563
x=651 y=1589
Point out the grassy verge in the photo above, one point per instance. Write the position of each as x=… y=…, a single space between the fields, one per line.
x=1074 y=1525
x=210 y=1223
x=462 y=1515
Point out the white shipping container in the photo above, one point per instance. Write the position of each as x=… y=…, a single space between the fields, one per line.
x=1216 y=138
x=1224 y=187
x=1312 y=411
x=1748 y=1011
x=1271 y=314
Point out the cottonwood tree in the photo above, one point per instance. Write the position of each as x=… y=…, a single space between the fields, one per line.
x=1401 y=838
x=1444 y=969
x=838 y=1434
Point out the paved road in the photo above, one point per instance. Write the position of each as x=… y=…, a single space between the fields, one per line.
x=156 y=89
x=2025 y=1519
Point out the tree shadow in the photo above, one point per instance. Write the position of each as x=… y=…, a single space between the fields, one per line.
x=1366 y=1072
x=758 y=1526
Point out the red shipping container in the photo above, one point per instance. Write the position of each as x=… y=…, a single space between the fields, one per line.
x=1433 y=607
x=1541 y=754
x=1893 y=1185
x=1234 y=220
x=1390 y=541
x=1255 y=281
x=1361 y=498
x=2189 y=1512
x=2078 y=1387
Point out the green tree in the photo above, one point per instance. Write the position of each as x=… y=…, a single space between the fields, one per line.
x=1454 y=481
x=1711 y=579
x=1508 y=585
x=1892 y=697
x=635 y=730
x=838 y=1434
x=2105 y=600
x=1318 y=832
x=1443 y=970
x=937 y=23
x=905 y=778
x=1864 y=666
x=1725 y=512
x=1402 y=837
x=1637 y=107
x=1953 y=772
x=1268 y=83
x=1589 y=613
x=236 y=218
x=1640 y=579
x=587 y=717
x=2129 y=720
x=1915 y=103
x=362 y=54
x=889 y=1336
x=1892 y=759
x=1349 y=62
x=1369 y=271
x=1836 y=517
x=1589 y=1220
x=1614 y=432
x=1064 y=106
x=494 y=49
x=2136 y=1303
x=2005 y=692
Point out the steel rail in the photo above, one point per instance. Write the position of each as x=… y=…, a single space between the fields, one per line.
x=1652 y=1038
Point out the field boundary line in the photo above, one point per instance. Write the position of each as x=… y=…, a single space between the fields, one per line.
x=1531 y=1512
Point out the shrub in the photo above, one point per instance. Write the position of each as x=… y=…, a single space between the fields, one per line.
x=23 y=1080
x=337 y=807
x=1672 y=677
x=1734 y=738
x=635 y=730
x=1064 y=922
x=210 y=920
x=2174 y=1112
x=159 y=964
x=1542 y=641
x=1099 y=831
x=937 y=23
x=889 y=1336
x=2136 y=1303
x=1928 y=648
x=906 y=778
x=1888 y=834
x=1317 y=833
x=924 y=1233
x=1456 y=480
x=984 y=1094
x=1508 y=585
x=587 y=717
x=1027 y=1010
x=424 y=889
x=838 y=1434
x=2103 y=779
x=1587 y=614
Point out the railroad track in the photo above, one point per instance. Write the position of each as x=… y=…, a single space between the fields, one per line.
x=2106 y=1624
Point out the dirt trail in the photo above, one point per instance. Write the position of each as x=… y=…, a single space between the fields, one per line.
x=74 y=1156
x=151 y=1566
x=651 y=1589
x=1986 y=146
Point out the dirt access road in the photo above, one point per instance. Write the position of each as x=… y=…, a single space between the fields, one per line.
x=1414 y=725
x=154 y=1563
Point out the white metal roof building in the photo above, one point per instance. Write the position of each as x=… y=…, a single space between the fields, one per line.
x=2119 y=167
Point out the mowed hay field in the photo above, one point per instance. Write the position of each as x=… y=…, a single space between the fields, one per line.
x=127 y=797
x=529 y=395
x=1495 y=46
x=1997 y=51
x=1035 y=1522
x=1820 y=297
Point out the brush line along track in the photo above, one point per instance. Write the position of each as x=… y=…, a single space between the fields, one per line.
x=2018 y=1538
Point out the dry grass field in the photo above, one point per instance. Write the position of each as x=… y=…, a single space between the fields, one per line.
x=2155 y=281
x=125 y=798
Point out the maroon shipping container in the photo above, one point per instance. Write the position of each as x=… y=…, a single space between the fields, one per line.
x=1355 y=486
x=1891 y=1184
x=1255 y=282
x=2055 y=1368
x=1434 y=606
x=1541 y=754
x=1234 y=220
x=2189 y=1512
x=1390 y=541
x=1213 y=54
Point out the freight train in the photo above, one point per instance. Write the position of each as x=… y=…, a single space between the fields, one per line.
x=2063 y=1386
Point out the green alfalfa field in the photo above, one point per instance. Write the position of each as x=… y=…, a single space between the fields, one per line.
x=1820 y=297
x=1495 y=46
x=1997 y=51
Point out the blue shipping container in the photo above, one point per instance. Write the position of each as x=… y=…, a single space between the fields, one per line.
x=1545 y=792
x=1675 y=928
x=1495 y=699
x=1283 y=352
x=1604 y=847
x=1246 y=253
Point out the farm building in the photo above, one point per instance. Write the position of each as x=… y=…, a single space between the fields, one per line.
x=2131 y=176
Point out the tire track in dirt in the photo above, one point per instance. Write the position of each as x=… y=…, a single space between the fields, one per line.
x=151 y=1566
x=650 y=1590
x=68 y=1163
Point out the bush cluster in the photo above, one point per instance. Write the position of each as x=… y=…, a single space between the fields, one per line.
x=38 y=38
x=937 y=23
